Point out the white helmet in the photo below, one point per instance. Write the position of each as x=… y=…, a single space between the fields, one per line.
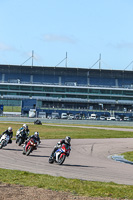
x=25 y=126
x=9 y=129
x=36 y=134
x=68 y=139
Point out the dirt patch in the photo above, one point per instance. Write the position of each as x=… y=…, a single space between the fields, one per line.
x=17 y=192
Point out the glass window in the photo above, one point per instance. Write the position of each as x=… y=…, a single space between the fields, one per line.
x=35 y=88
x=3 y=87
x=27 y=88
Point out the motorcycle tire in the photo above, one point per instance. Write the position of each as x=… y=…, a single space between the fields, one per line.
x=29 y=151
x=51 y=160
x=19 y=141
x=2 y=145
x=24 y=152
x=61 y=160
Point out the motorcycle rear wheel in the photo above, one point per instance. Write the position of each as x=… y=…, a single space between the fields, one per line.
x=29 y=151
x=61 y=160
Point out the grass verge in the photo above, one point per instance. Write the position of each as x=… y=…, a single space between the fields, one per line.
x=57 y=132
x=74 y=186
x=128 y=155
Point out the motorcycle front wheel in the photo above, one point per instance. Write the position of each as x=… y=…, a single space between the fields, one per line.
x=51 y=160
x=29 y=151
x=2 y=144
x=61 y=159
x=20 y=141
x=16 y=140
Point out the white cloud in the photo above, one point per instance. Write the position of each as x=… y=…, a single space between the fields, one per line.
x=122 y=45
x=60 y=38
x=4 y=47
x=127 y=45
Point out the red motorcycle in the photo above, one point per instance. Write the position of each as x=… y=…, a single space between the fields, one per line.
x=60 y=155
x=31 y=145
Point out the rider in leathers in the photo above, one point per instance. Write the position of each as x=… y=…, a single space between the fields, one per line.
x=35 y=136
x=9 y=132
x=65 y=141
x=25 y=131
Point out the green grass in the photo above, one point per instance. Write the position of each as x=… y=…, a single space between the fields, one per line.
x=74 y=186
x=128 y=155
x=57 y=132
x=12 y=108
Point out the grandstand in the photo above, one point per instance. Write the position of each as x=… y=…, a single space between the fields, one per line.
x=75 y=90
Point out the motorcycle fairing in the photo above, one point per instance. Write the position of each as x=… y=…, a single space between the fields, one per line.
x=58 y=152
x=6 y=138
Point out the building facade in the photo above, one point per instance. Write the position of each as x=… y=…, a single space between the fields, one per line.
x=64 y=88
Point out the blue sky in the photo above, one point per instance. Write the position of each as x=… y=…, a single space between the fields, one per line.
x=82 y=28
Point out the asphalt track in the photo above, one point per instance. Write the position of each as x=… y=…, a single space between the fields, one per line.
x=89 y=160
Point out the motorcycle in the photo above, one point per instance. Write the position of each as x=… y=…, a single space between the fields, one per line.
x=20 y=137
x=60 y=155
x=30 y=146
x=4 y=140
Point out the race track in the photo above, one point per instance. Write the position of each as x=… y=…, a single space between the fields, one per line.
x=88 y=160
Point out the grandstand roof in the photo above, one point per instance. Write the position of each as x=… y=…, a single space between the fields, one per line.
x=66 y=71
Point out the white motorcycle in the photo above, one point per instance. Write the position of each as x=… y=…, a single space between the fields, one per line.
x=4 y=140
x=21 y=136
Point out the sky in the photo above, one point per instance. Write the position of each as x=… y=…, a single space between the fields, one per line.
x=72 y=33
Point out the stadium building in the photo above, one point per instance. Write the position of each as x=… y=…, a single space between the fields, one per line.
x=65 y=89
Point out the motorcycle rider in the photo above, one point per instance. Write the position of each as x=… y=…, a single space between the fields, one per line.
x=25 y=131
x=9 y=132
x=65 y=141
x=35 y=137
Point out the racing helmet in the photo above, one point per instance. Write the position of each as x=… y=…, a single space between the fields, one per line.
x=68 y=139
x=36 y=134
x=25 y=126
x=9 y=129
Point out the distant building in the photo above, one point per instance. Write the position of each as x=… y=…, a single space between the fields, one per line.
x=64 y=88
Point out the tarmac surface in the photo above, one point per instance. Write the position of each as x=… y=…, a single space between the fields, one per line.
x=89 y=160
x=66 y=121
